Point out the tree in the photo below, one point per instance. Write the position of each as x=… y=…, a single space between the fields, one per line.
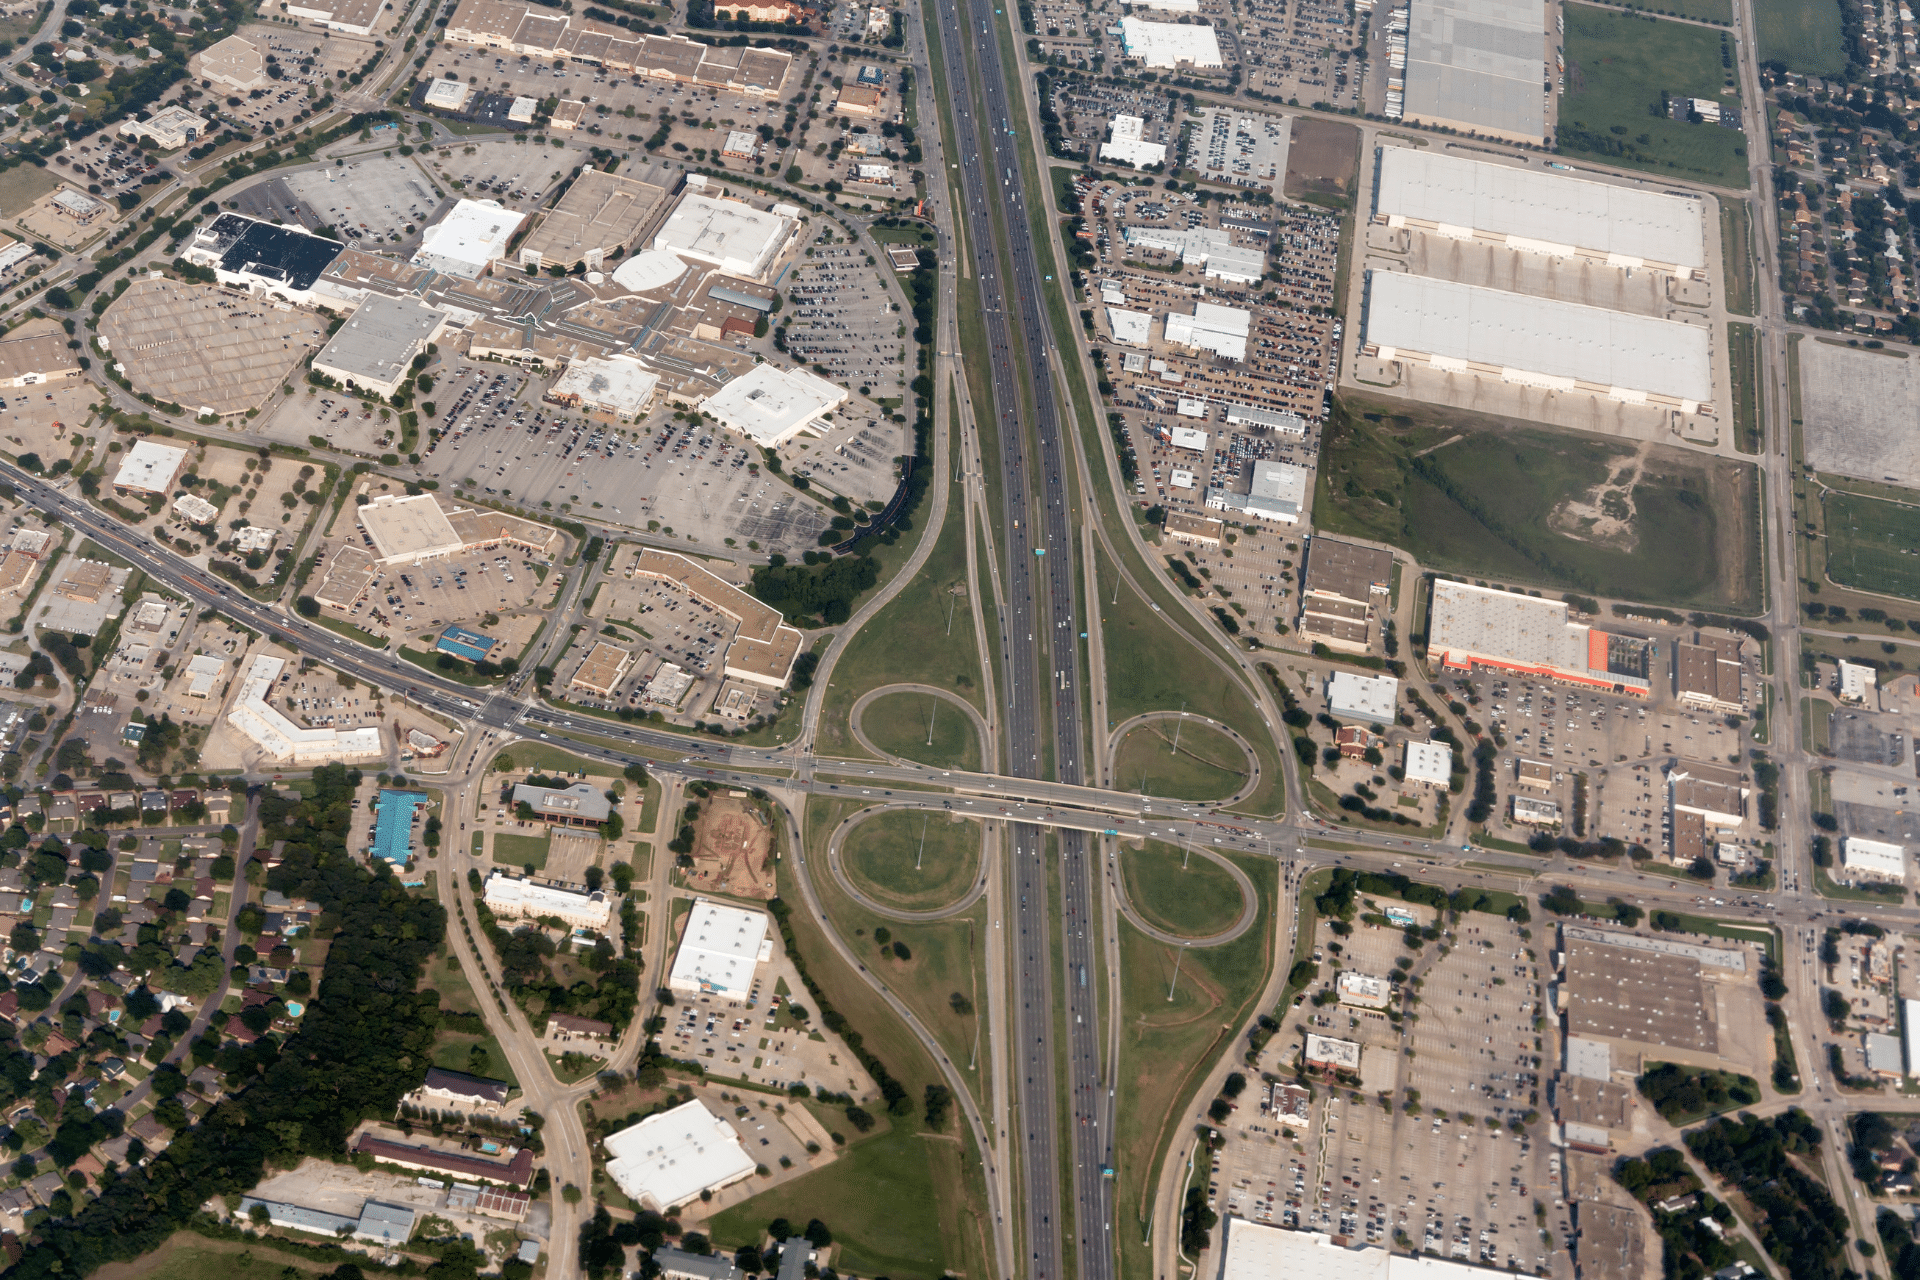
x=570 y=1193
x=636 y=773
x=308 y=607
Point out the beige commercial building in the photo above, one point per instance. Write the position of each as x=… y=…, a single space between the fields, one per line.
x=416 y=529
x=1709 y=674
x=232 y=63
x=28 y=362
x=763 y=647
x=600 y=671
x=519 y=26
x=1344 y=584
x=601 y=216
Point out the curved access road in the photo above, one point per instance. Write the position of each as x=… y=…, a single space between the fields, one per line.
x=1249 y=904
x=845 y=881
x=1119 y=735
x=984 y=1150
x=974 y=718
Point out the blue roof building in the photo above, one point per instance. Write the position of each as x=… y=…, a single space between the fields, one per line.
x=393 y=834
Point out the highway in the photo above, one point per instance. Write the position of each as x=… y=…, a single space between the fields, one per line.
x=1039 y=555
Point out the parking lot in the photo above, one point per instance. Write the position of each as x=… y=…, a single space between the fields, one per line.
x=523 y=76
x=458 y=588
x=840 y=319
x=306 y=58
x=1441 y=1170
x=1244 y=148
x=371 y=200
x=689 y=479
x=205 y=348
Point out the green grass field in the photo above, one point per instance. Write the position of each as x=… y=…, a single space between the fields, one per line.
x=919 y=726
x=21 y=185
x=924 y=635
x=454 y=1052
x=1208 y=765
x=878 y=1199
x=1872 y=544
x=1197 y=902
x=1486 y=504
x=1717 y=11
x=551 y=759
x=1167 y=1045
x=1742 y=347
x=187 y=1256
x=1151 y=667
x=1803 y=34
x=1736 y=253
x=880 y=853
x=1618 y=65
x=521 y=851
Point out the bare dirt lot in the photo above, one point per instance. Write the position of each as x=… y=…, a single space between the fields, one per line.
x=1322 y=158
x=730 y=850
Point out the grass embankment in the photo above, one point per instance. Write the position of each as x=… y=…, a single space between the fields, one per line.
x=1180 y=760
x=932 y=1218
x=1168 y=1045
x=1485 y=496
x=1196 y=900
x=924 y=635
x=912 y=861
x=1618 y=66
x=1150 y=667
x=923 y=727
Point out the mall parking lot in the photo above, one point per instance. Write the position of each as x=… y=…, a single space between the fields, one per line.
x=841 y=319
x=1443 y=1169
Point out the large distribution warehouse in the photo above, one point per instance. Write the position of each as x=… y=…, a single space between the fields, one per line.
x=1482 y=627
x=1478 y=66
x=1537 y=212
x=1538 y=342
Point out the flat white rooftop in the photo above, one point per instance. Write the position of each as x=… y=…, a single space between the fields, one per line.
x=670 y=1158
x=149 y=467
x=1363 y=697
x=1212 y=327
x=616 y=384
x=473 y=234
x=1168 y=44
x=1255 y=1251
x=1429 y=762
x=1507 y=627
x=729 y=234
x=719 y=950
x=1478 y=63
x=1539 y=341
x=1548 y=209
x=1133 y=328
x=1874 y=857
x=409 y=529
x=770 y=406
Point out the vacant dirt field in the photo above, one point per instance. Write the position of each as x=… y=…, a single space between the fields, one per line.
x=1322 y=159
x=730 y=849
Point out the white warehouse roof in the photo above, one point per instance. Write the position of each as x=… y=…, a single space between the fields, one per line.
x=1190 y=438
x=1255 y=1251
x=149 y=467
x=1168 y=44
x=719 y=950
x=1133 y=328
x=1358 y=697
x=1211 y=327
x=729 y=234
x=1538 y=341
x=473 y=234
x=770 y=406
x=1874 y=857
x=1547 y=209
x=1478 y=64
x=1129 y=146
x=1430 y=762
x=670 y=1158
